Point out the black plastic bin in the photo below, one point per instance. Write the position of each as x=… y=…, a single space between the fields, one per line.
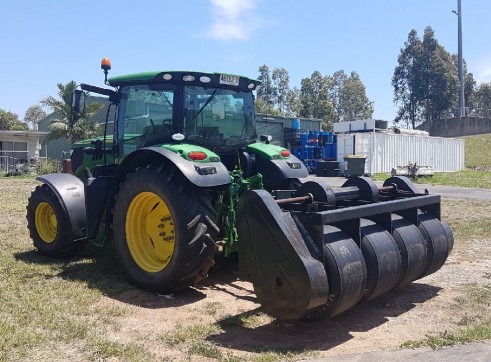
x=354 y=165
x=327 y=169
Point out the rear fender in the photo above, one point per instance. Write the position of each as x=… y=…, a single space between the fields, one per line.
x=71 y=195
x=209 y=174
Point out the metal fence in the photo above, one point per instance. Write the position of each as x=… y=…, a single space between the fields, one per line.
x=8 y=163
x=469 y=112
x=40 y=166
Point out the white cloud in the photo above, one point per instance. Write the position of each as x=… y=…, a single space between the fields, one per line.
x=233 y=20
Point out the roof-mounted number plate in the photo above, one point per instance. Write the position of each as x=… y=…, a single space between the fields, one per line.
x=229 y=79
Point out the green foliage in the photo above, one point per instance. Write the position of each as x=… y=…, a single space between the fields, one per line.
x=352 y=102
x=281 y=84
x=469 y=83
x=482 y=96
x=48 y=166
x=266 y=92
x=334 y=98
x=10 y=122
x=330 y=98
x=425 y=80
x=315 y=99
x=275 y=96
x=263 y=107
x=75 y=126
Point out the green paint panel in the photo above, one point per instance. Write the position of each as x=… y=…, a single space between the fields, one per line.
x=132 y=78
x=184 y=149
x=177 y=77
x=270 y=152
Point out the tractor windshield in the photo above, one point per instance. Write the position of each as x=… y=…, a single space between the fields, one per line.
x=217 y=116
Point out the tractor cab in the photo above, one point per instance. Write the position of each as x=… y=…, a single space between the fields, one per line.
x=167 y=108
x=207 y=109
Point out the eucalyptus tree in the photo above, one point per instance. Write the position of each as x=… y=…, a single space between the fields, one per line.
x=352 y=102
x=425 y=80
x=266 y=92
x=315 y=100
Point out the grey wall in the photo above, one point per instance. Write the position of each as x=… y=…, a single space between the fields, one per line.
x=455 y=127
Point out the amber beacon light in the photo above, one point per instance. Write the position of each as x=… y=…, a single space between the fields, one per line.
x=106 y=66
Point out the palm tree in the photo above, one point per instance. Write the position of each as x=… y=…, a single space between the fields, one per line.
x=74 y=126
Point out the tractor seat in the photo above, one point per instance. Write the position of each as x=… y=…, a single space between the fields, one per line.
x=156 y=134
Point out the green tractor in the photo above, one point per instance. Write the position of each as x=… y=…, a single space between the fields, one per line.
x=179 y=177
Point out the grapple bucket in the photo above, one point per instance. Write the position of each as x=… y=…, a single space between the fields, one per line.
x=318 y=251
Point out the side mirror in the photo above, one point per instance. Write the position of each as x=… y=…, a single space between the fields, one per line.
x=78 y=101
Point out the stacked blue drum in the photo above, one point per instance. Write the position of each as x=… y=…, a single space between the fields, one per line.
x=311 y=146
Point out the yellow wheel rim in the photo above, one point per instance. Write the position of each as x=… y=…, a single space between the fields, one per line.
x=150 y=232
x=46 y=222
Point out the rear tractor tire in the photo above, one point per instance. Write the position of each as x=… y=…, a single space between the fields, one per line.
x=48 y=224
x=164 y=229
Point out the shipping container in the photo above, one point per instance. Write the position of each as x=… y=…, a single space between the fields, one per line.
x=385 y=151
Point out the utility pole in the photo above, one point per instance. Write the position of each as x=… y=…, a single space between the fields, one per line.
x=461 y=61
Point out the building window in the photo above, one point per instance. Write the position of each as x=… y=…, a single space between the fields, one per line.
x=13 y=152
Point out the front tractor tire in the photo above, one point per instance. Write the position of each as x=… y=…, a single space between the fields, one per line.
x=164 y=229
x=48 y=224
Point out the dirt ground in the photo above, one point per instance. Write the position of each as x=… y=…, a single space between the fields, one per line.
x=428 y=306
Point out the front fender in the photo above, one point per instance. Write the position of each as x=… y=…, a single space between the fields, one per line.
x=209 y=174
x=274 y=171
x=71 y=195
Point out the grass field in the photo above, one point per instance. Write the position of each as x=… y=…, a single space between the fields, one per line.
x=478 y=152
x=58 y=310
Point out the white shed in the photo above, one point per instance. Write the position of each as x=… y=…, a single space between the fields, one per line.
x=19 y=147
x=386 y=150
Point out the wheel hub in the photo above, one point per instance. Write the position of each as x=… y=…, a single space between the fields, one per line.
x=150 y=232
x=46 y=222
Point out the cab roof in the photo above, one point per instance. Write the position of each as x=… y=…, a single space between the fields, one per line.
x=221 y=80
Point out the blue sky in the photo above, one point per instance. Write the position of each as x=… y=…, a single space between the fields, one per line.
x=47 y=42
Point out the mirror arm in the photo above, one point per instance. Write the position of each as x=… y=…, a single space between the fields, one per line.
x=113 y=96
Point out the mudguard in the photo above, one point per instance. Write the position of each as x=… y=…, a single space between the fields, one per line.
x=200 y=174
x=274 y=171
x=71 y=195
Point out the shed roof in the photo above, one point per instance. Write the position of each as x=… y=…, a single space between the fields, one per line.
x=24 y=133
